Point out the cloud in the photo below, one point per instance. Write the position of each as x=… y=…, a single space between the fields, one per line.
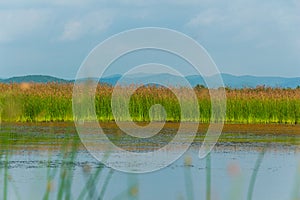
x=139 y=3
x=22 y=3
x=250 y=20
x=72 y=30
x=206 y=18
x=15 y=24
x=90 y=24
x=145 y=3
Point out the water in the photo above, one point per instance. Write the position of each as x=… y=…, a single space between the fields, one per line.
x=34 y=151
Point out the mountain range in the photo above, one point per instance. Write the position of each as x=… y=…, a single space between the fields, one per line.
x=229 y=80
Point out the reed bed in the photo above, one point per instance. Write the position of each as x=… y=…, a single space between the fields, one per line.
x=36 y=102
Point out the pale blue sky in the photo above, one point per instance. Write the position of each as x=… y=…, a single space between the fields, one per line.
x=53 y=37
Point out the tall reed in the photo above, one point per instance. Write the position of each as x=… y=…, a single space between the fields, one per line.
x=53 y=102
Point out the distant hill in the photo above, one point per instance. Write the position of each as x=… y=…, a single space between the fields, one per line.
x=111 y=80
x=170 y=79
x=228 y=79
x=35 y=79
x=253 y=81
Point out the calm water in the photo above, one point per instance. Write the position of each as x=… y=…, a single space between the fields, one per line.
x=33 y=151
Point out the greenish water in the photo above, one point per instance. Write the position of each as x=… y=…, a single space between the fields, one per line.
x=48 y=161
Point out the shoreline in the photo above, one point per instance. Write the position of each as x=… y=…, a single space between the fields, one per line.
x=272 y=129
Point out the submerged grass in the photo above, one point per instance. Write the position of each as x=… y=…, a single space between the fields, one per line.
x=5 y=184
x=5 y=155
x=254 y=174
x=208 y=177
x=105 y=184
x=50 y=179
x=188 y=178
x=60 y=178
x=53 y=102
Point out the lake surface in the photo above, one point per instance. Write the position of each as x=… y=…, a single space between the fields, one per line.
x=35 y=158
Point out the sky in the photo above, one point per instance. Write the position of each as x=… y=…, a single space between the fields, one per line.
x=53 y=37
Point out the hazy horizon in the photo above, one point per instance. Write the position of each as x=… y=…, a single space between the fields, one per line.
x=145 y=74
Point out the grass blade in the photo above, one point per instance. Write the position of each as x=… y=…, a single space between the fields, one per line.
x=208 y=177
x=106 y=182
x=254 y=175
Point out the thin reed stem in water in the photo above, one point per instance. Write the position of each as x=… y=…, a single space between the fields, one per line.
x=254 y=174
